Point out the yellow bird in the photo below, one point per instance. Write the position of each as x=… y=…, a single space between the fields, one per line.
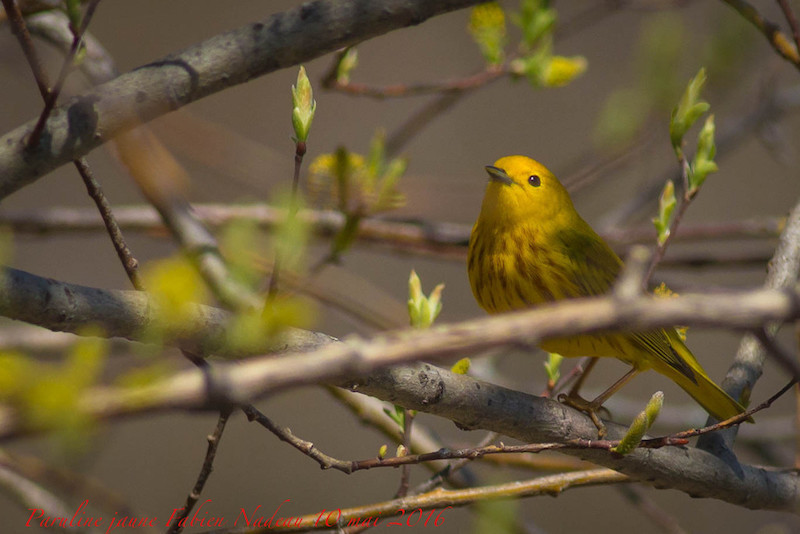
x=529 y=246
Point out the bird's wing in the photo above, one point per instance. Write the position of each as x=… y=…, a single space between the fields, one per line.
x=658 y=343
x=594 y=266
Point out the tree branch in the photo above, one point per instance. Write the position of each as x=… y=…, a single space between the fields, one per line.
x=66 y=307
x=782 y=45
x=468 y=402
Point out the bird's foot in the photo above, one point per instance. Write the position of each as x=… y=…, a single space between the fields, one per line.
x=590 y=408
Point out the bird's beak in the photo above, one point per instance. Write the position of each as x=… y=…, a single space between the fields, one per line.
x=497 y=174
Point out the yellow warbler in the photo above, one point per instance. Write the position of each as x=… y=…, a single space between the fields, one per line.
x=530 y=246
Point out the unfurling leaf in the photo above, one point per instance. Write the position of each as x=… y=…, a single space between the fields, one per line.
x=666 y=206
x=641 y=424
x=487 y=25
x=461 y=367
x=303 y=106
x=553 y=367
x=536 y=20
x=423 y=310
x=347 y=63
x=561 y=70
x=703 y=163
x=688 y=110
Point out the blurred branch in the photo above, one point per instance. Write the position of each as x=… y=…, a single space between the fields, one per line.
x=66 y=481
x=284 y=39
x=776 y=38
x=399 y=90
x=443 y=499
x=449 y=238
x=783 y=273
x=31 y=495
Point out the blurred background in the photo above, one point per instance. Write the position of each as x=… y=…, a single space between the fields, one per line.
x=605 y=135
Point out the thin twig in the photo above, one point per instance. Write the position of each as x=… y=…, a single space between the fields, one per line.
x=299 y=152
x=405 y=476
x=452 y=468
x=52 y=95
x=727 y=423
x=20 y=30
x=205 y=471
x=776 y=38
x=479 y=452
x=449 y=240
x=467 y=83
x=677 y=217
x=129 y=262
x=306 y=447
x=792 y=20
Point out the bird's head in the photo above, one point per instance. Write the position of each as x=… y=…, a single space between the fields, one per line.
x=521 y=189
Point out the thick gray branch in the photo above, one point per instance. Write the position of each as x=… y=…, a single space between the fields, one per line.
x=474 y=404
x=71 y=308
x=282 y=40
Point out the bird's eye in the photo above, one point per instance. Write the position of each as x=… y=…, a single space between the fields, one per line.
x=534 y=180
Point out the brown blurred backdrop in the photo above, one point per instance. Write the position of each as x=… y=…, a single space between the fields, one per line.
x=153 y=461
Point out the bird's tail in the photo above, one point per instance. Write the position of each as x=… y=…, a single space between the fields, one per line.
x=702 y=389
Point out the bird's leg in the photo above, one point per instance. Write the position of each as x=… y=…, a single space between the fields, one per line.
x=591 y=408
x=573 y=398
x=582 y=378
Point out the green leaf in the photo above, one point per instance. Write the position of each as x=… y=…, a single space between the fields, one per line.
x=396 y=414
x=688 y=110
x=347 y=63
x=536 y=20
x=703 y=163
x=641 y=424
x=560 y=70
x=73 y=10
x=666 y=206
x=175 y=287
x=553 y=367
x=487 y=25
x=423 y=310
x=303 y=106
x=461 y=367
